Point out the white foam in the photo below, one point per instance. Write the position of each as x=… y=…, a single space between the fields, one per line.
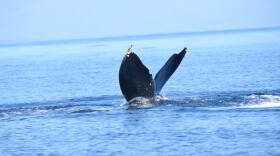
x=160 y=97
x=262 y=101
x=140 y=102
x=262 y=105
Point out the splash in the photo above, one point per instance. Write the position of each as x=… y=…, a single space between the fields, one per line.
x=139 y=102
x=142 y=102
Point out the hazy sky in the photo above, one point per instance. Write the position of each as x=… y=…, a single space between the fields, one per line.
x=70 y=19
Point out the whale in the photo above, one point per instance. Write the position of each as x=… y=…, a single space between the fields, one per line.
x=135 y=79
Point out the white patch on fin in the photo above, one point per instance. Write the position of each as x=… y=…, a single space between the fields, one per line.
x=129 y=50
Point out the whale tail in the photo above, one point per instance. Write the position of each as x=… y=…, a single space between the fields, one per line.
x=136 y=80
x=168 y=69
x=134 y=77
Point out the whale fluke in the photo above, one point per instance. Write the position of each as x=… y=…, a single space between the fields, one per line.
x=135 y=79
x=168 y=69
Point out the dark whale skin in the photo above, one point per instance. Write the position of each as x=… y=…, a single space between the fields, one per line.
x=136 y=81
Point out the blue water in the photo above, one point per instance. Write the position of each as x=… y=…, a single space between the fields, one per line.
x=63 y=97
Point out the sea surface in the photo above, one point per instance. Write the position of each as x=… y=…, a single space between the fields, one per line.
x=62 y=97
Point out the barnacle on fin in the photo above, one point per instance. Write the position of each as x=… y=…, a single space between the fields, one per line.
x=129 y=50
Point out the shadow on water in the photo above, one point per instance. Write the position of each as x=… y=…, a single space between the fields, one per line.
x=109 y=103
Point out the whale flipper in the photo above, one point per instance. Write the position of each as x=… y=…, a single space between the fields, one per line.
x=135 y=79
x=168 y=69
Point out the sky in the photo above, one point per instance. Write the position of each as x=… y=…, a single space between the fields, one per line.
x=74 y=19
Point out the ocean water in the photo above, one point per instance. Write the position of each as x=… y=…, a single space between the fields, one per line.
x=63 y=97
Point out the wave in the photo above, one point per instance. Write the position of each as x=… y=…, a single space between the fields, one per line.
x=55 y=109
x=258 y=100
x=262 y=101
x=109 y=103
x=73 y=105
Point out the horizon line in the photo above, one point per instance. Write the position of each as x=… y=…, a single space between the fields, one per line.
x=125 y=37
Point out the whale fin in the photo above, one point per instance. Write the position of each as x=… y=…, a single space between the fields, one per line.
x=168 y=69
x=134 y=77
